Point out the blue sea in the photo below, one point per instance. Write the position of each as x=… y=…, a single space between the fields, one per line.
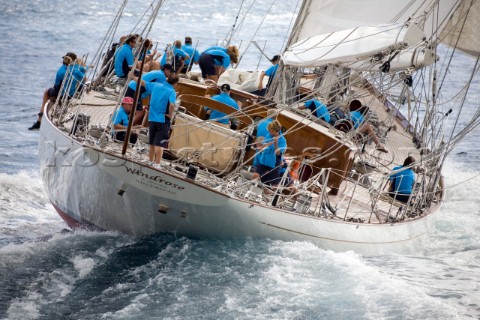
x=49 y=272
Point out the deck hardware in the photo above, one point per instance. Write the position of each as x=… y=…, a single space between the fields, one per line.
x=303 y=202
x=254 y=193
x=121 y=190
x=192 y=172
x=162 y=208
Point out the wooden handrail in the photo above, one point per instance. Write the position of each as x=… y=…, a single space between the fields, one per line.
x=219 y=106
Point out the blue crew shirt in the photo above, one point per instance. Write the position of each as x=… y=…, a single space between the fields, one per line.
x=123 y=57
x=120 y=117
x=59 y=76
x=271 y=71
x=220 y=116
x=357 y=118
x=318 y=109
x=178 y=53
x=220 y=58
x=267 y=156
x=404 y=180
x=192 y=53
x=216 y=48
x=162 y=94
x=74 y=77
x=153 y=76
x=262 y=130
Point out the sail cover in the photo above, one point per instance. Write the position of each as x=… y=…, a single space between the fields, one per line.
x=318 y=17
x=351 y=45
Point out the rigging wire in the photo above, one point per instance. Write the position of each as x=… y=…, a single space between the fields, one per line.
x=229 y=36
x=256 y=31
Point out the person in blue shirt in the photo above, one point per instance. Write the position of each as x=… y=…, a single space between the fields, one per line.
x=270 y=155
x=232 y=51
x=54 y=91
x=357 y=118
x=176 y=57
x=270 y=72
x=162 y=107
x=159 y=76
x=124 y=59
x=402 y=181
x=262 y=132
x=148 y=52
x=214 y=61
x=193 y=54
x=108 y=59
x=223 y=97
x=317 y=108
x=120 y=121
x=262 y=126
x=216 y=48
x=75 y=76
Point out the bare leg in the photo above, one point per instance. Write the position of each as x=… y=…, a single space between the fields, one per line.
x=145 y=120
x=137 y=119
x=158 y=154
x=367 y=129
x=153 y=65
x=151 y=152
x=46 y=97
x=213 y=78
x=180 y=67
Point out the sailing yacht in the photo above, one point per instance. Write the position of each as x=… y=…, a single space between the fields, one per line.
x=389 y=55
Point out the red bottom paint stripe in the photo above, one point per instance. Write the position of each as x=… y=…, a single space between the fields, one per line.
x=72 y=223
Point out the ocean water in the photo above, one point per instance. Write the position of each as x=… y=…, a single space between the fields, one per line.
x=49 y=272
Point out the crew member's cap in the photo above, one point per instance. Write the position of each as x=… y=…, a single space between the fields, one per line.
x=275 y=58
x=167 y=66
x=188 y=40
x=127 y=100
x=71 y=55
x=225 y=87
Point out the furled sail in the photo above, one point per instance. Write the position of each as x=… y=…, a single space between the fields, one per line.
x=415 y=58
x=352 y=44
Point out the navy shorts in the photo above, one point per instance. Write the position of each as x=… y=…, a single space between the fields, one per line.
x=53 y=91
x=131 y=93
x=121 y=135
x=158 y=133
x=268 y=175
x=399 y=196
x=286 y=183
x=207 y=65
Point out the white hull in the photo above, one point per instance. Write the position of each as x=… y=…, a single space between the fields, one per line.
x=84 y=184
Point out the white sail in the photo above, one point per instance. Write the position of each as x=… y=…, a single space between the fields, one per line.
x=454 y=22
x=352 y=44
x=463 y=30
x=327 y=16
